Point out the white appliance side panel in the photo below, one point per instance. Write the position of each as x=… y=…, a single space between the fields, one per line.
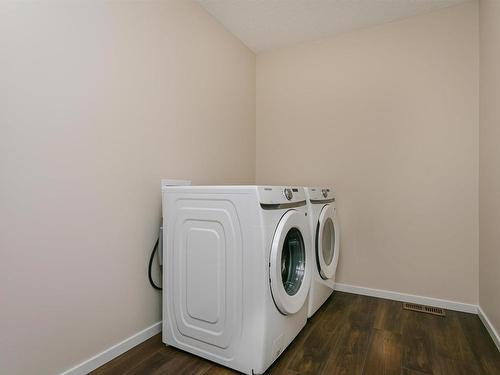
x=207 y=274
x=204 y=266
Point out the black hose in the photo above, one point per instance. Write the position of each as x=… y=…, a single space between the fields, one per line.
x=155 y=248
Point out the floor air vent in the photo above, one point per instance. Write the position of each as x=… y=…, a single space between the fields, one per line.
x=425 y=309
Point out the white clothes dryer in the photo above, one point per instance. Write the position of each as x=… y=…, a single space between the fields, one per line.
x=326 y=245
x=236 y=272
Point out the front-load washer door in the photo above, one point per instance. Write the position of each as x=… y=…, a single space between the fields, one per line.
x=289 y=275
x=327 y=242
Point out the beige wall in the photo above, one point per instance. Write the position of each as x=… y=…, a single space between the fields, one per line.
x=98 y=102
x=489 y=167
x=389 y=116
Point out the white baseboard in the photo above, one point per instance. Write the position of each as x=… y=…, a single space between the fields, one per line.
x=403 y=297
x=489 y=327
x=114 y=351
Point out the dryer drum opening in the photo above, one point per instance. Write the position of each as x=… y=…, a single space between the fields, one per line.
x=328 y=242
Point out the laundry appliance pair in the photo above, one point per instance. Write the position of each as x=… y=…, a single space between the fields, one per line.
x=244 y=267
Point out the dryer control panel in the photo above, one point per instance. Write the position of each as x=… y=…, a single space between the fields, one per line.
x=317 y=194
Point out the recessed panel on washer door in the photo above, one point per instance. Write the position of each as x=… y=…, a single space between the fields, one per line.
x=207 y=270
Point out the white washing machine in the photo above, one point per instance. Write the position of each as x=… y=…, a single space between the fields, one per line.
x=326 y=245
x=236 y=272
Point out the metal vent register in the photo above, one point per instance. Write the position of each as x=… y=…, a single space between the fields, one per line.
x=425 y=309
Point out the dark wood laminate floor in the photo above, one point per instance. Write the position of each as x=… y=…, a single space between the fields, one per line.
x=350 y=334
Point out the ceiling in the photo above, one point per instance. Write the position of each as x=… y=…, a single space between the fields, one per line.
x=268 y=24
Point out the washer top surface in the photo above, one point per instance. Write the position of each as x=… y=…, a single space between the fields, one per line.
x=267 y=195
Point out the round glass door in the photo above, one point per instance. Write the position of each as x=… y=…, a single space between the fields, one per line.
x=293 y=262
x=288 y=264
x=327 y=242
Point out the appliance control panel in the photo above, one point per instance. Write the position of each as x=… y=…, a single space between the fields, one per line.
x=321 y=193
x=281 y=194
